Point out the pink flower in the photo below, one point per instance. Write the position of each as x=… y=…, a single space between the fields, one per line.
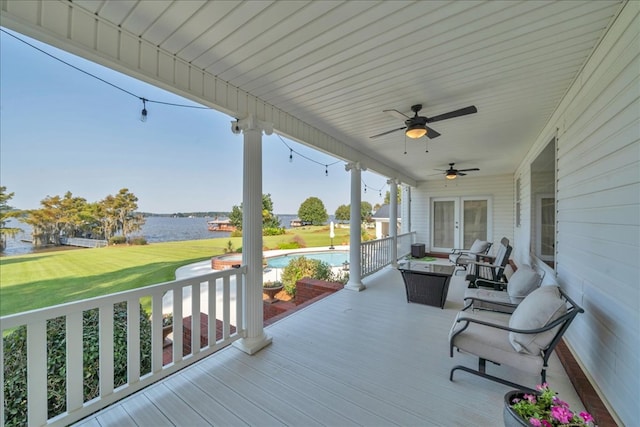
x=559 y=402
x=535 y=422
x=546 y=423
x=530 y=397
x=561 y=414
x=586 y=417
x=542 y=386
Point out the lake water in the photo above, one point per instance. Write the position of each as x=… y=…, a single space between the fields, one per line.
x=155 y=229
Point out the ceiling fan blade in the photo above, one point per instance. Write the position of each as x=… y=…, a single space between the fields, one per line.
x=468 y=170
x=457 y=113
x=397 y=114
x=387 y=132
x=432 y=133
x=460 y=173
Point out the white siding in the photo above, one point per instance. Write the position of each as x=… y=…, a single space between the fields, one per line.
x=598 y=216
x=500 y=190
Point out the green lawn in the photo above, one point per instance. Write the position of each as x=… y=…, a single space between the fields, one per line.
x=44 y=279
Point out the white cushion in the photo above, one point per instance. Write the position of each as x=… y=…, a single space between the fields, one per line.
x=539 y=308
x=479 y=246
x=524 y=281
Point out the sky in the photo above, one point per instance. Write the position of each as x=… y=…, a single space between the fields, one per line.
x=62 y=130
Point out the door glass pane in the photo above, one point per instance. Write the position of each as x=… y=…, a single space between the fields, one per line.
x=474 y=221
x=443 y=224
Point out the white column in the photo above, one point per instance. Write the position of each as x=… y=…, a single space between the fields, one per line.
x=393 y=219
x=255 y=338
x=355 y=224
x=405 y=211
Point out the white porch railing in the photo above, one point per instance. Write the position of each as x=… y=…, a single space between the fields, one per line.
x=217 y=294
x=376 y=254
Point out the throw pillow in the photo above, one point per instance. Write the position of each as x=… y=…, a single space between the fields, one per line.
x=478 y=247
x=538 y=309
x=524 y=281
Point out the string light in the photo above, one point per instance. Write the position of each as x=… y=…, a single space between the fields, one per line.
x=377 y=190
x=143 y=113
x=291 y=151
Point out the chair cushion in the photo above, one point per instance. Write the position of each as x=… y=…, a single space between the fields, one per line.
x=479 y=246
x=539 y=308
x=524 y=281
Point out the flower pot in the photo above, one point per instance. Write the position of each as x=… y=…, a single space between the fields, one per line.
x=271 y=293
x=510 y=417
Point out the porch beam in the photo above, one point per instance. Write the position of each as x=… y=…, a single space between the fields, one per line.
x=252 y=129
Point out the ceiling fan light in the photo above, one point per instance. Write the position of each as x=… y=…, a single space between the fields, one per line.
x=451 y=175
x=416 y=131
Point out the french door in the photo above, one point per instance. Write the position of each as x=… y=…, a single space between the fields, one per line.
x=458 y=221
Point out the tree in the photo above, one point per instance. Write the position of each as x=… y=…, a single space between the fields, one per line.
x=387 y=196
x=269 y=219
x=365 y=211
x=343 y=213
x=6 y=212
x=313 y=211
x=121 y=213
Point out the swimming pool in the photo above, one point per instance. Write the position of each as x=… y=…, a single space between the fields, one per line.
x=333 y=258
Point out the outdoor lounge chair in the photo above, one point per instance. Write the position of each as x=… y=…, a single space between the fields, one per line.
x=490 y=268
x=462 y=257
x=523 y=340
x=520 y=284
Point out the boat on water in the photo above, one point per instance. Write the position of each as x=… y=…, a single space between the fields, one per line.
x=220 y=225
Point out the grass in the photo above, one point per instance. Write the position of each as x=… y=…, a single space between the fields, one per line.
x=43 y=279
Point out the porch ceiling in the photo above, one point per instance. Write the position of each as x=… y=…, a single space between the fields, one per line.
x=336 y=65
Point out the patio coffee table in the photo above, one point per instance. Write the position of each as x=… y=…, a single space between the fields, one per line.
x=426 y=283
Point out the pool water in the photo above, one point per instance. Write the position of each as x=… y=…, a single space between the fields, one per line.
x=333 y=258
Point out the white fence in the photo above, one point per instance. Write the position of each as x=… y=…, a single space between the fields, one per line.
x=219 y=295
x=84 y=243
x=376 y=254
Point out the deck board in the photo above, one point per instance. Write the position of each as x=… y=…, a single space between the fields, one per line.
x=354 y=358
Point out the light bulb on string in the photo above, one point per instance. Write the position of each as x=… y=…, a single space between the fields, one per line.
x=405 y=144
x=290 y=155
x=365 y=188
x=143 y=113
x=326 y=170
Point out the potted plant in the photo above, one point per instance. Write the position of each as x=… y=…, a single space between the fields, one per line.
x=541 y=409
x=270 y=289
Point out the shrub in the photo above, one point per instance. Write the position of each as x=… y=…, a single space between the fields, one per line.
x=273 y=231
x=117 y=240
x=304 y=267
x=236 y=233
x=138 y=241
x=229 y=249
x=15 y=367
x=300 y=241
x=288 y=245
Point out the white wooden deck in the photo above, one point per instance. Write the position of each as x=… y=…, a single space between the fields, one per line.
x=354 y=358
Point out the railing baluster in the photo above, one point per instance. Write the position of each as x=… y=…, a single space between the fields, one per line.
x=133 y=341
x=177 y=324
x=226 y=307
x=156 y=332
x=106 y=350
x=212 y=295
x=37 y=368
x=195 y=318
x=74 y=336
x=239 y=298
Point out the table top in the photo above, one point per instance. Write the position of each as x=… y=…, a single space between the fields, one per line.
x=427 y=268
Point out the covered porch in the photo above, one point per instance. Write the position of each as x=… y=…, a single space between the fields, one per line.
x=353 y=358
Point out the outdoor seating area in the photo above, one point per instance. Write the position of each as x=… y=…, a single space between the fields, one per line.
x=312 y=375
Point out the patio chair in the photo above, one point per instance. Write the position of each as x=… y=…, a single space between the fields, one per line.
x=490 y=268
x=520 y=284
x=462 y=257
x=522 y=340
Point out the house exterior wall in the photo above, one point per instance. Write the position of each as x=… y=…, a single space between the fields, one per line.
x=598 y=212
x=498 y=188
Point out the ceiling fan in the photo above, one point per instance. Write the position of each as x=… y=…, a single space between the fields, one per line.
x=452 y=173
x=416 y=126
